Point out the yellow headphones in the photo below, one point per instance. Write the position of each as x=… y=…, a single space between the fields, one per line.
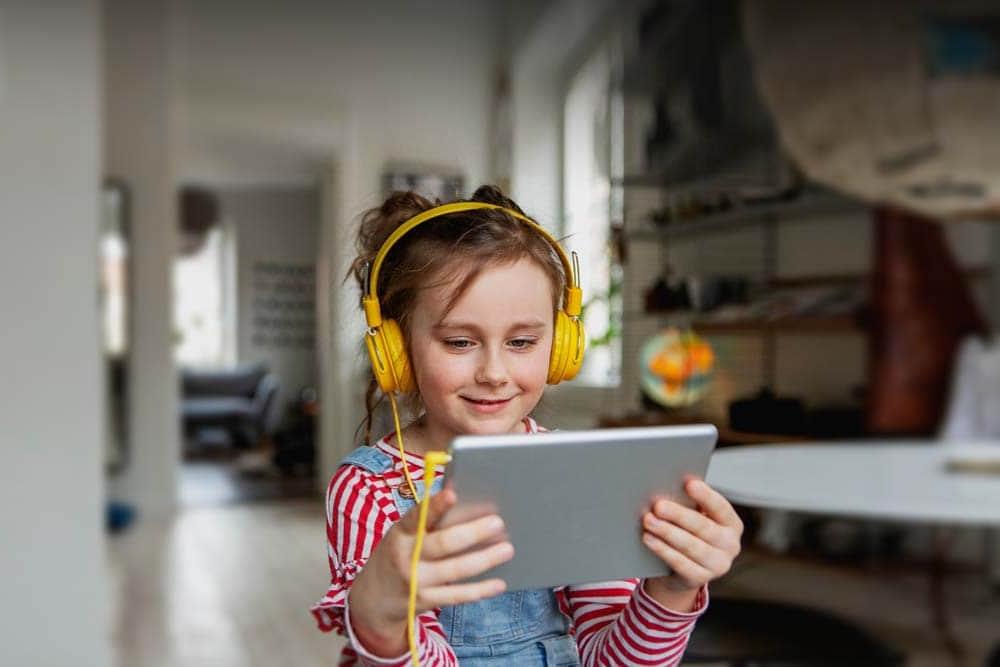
x=384 y=339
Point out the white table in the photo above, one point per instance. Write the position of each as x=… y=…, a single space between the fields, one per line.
x=905 y=481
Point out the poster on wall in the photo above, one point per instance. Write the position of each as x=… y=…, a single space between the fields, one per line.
x=434 y=183
x=283 y=305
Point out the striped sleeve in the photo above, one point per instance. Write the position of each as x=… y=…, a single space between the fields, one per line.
x=618 y=623
x=432 y=647
x=359 y=512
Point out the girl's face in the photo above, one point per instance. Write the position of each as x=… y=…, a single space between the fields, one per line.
x=482 y=367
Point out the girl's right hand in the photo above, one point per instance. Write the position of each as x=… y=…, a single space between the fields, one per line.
x=380 y=593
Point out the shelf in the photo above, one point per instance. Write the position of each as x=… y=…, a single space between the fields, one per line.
x=727 y=436
x=980 y=272
x=742 y=216
x=819 y=324
x=824 y=280
x=806 y=324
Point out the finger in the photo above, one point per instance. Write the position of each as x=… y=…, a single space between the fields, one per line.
x=467 y=565
x=439 y=504
x=708 y=556
x=681 y=565
x=456 y=539
x=713 y=503
x=690 y=520
x=452 y=594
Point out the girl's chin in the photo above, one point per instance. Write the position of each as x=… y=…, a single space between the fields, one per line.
x=492 y=425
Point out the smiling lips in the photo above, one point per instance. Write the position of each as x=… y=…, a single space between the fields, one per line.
x=486 y=404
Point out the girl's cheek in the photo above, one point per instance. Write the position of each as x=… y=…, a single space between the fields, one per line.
x=452 y=370
x=537 y=365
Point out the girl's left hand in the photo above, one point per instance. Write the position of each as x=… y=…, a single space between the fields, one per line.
x=699 y=545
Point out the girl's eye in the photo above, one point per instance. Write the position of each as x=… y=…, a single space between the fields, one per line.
x=458 y=343
x=522 y=343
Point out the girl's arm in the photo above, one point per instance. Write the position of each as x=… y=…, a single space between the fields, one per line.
x=650 y=623
x=370 y=562
x=619 y=623
x=357 y=520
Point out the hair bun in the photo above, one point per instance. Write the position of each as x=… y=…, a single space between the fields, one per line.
x=378 y=223
x=491 y=194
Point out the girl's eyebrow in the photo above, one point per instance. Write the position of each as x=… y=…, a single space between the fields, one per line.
x=524 y=324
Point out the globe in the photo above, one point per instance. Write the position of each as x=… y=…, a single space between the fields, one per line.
x=676 y=367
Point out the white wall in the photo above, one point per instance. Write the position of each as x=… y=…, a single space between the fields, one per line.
x=138 y=151
x=330 y=93
x=544 y=49
x=542 y=55
x=275 y=83
x=276 y=236
x=54 y=607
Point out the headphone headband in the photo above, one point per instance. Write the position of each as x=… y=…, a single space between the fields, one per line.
x=573 y=296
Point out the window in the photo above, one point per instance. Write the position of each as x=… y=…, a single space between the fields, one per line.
x=200 y=302
x=114 y=260
x=592 y=126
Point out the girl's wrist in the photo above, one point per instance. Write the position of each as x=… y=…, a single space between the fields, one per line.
x=379 y=636
x=672 y=597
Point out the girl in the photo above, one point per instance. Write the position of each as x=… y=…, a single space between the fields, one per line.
x=476 y=294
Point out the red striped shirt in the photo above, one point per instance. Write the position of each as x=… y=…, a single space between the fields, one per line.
x=614 y=622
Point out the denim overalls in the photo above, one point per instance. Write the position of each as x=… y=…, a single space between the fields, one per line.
x=522 y=628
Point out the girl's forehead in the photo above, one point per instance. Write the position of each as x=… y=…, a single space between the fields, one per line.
x=505 y=291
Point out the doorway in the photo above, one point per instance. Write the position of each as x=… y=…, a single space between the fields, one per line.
x=245 y=344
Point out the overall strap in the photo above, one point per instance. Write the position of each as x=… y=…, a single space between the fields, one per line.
x=369 y=458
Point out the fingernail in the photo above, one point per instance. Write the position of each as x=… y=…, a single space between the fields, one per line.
x=496 y=523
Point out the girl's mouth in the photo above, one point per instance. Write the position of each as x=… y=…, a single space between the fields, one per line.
x=486 y=405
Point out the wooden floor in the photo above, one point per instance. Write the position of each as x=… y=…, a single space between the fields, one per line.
x=231 y=585
x=211 y=483
x=223 y=586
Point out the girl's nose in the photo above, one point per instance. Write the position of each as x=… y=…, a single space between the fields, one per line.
x=492 y=370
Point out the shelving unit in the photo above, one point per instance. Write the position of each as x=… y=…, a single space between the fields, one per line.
x=740 y=216
x=816 y=239
x=764 y=220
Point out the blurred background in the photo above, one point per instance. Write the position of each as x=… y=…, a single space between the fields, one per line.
x=786 y=213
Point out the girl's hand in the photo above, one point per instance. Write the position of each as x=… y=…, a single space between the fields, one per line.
x=699 y=545
x=379 y=595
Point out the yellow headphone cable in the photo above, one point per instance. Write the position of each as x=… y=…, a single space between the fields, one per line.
x=431 y=461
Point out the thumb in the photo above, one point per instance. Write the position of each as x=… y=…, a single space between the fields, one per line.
x=439 y=503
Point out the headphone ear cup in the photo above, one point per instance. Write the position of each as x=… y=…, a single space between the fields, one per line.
x=379 y=358
x=387 y=353
x=575 y=347
x=568 y=345
x=395 y=346
x=557 y=358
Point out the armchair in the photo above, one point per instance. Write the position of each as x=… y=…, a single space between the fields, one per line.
x=240 y=400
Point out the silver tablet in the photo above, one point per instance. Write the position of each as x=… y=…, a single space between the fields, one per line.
x=572 y=500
